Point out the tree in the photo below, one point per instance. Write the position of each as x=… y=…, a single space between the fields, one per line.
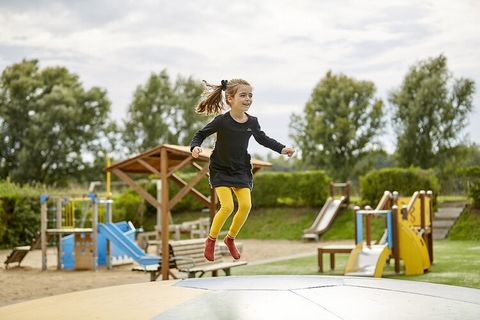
x=47 y=120
x=430 y=111
x=186 y=121
x=339 y=125
x=163 y=113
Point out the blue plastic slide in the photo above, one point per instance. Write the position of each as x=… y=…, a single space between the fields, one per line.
x=122 y=242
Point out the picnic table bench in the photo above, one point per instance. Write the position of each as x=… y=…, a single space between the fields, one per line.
x=187 y=256
x=332 y=250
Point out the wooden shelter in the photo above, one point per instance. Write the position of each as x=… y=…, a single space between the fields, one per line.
x=164 y=161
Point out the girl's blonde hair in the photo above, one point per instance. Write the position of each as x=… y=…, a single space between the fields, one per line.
x=212 y=101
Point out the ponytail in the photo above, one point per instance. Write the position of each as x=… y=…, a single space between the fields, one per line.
x=212 y=103
x=212 y=99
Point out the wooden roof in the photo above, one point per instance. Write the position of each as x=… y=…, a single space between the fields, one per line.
x=177 y=155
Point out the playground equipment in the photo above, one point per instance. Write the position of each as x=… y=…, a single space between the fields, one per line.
x=86 y=243
x=407 y=238
x=329 y=211
x=19 y=253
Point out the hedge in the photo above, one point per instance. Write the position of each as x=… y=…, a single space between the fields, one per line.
x=404 y=180
x=472 y=179
x=271 y=189
x=19 y=214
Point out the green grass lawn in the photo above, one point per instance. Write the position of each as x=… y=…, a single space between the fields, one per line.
x=456 y=263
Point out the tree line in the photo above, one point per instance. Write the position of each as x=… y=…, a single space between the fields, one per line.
x=55 y=131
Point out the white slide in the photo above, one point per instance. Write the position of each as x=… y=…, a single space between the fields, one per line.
x=367 y=261
x=324 y=218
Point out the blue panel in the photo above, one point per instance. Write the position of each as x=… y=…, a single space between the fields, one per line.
x=68 y=258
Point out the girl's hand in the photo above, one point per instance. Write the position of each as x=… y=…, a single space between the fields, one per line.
x=288 y=151
x=196 y=152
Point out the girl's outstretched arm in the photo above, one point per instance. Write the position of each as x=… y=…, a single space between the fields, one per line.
x=203 y=133
x=265 y=140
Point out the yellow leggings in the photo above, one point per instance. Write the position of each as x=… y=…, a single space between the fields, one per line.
x=226 y=209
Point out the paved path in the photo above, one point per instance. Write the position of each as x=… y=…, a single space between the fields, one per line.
x=445 y=217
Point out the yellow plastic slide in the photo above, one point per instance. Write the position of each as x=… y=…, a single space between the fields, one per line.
x=365 y=261
x=413 y=250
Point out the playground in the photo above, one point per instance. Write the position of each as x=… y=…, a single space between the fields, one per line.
x=393 y=239
x=285 y=271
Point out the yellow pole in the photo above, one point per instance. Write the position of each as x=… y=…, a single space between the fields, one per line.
x=109 y=194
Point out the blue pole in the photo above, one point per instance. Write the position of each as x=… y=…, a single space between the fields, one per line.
x=390 y=229
x=359 y=227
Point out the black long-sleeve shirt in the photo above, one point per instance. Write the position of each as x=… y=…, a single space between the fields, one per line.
x=230 y=162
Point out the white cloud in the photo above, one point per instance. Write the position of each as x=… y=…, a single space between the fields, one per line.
x=282 y=47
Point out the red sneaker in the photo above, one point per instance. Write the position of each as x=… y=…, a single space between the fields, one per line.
x=230 y=242
x=209 y=252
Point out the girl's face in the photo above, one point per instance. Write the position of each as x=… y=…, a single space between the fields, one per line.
x=242 y=100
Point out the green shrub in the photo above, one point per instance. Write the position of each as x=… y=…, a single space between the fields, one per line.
x=273 y=189
x=472 y=179
x=126 y=207
x=19 y=214
x=404 y=180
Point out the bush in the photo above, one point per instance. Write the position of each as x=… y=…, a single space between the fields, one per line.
x=273 y=189
x=126 y=208
x=404 y=180
x=472 y=179
x=19 y=214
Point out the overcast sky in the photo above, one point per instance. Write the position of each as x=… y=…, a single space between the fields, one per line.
x=283 y=48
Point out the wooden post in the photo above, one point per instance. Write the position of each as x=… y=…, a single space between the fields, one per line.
x=396 y=247
x=368 y=229
x=347 y=193
x=422 y=209
x=59 y=236
x=43 y=233
x=158 y=227
x=165 y=206
x=430 y=235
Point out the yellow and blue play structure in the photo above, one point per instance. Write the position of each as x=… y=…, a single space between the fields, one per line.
x=85 y=235
x=407 y=238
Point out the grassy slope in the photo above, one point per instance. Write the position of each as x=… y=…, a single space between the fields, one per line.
x=467 y=226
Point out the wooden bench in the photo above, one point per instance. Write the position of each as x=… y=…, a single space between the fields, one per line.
x=332 y=250
x=187 y=256
x=193 y=229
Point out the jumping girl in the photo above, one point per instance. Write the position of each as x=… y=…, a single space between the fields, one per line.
x=230 y=167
